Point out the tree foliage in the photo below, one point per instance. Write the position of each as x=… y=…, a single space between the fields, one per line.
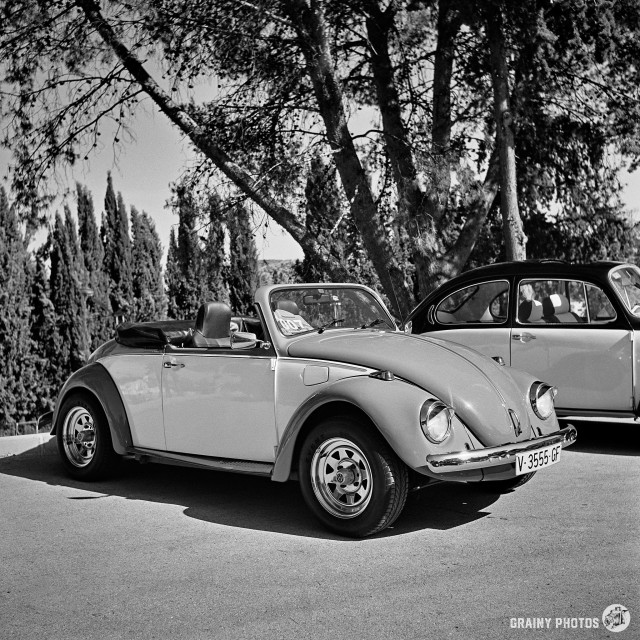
x=100 y=320
x=242 y=273
x=66 y=284
x=146 y=276
x=117 y=251
x=397 y=96
x=18 y=388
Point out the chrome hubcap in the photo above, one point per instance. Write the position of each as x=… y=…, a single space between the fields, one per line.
x=79 y=437
x=341 y=478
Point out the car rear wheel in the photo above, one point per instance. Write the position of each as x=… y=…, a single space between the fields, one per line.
x=84 y=440
x=350 y=478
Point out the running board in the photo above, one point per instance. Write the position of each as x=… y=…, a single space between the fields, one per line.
x=201 y=462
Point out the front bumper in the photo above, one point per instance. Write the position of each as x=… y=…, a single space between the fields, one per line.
x=496 y=456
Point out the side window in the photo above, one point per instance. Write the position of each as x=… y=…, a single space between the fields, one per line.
x=560 y=302
x=485 y=303
x=600 y=308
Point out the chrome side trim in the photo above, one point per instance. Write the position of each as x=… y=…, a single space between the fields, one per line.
x=202 y=462
x=495 y=456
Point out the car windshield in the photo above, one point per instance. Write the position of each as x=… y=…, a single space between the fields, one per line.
x=301 y=310
x=626 y=282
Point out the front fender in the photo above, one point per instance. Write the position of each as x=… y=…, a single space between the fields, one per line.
x=95 y=379
x=392 y=406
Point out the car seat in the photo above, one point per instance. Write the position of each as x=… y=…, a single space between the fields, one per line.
x=556 y=308
x=530 y=311
x=288 y=305
x=213 y=324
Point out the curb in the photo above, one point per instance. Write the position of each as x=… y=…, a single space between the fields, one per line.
x=34 y=445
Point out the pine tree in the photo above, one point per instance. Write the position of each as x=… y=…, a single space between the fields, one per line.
x=117 y=251
x=18 y=389
x=146 y=255
x=100 y=320
x=242 y=276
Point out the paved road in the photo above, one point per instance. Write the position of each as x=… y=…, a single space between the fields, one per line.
x=166 y=552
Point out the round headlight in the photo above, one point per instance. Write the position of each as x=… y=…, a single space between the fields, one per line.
x=435 y=420
x=541 y=396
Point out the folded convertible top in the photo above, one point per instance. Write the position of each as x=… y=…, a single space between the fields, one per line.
x=153 y=334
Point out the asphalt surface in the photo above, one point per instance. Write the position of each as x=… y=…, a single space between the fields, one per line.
x=166 y=552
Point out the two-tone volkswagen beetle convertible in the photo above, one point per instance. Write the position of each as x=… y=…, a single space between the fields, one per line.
x=320 y=386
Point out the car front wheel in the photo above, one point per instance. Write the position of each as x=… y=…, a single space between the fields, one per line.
x=350 y=478
x=84 y=440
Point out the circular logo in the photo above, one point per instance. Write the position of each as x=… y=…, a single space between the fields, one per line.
x=616 y=618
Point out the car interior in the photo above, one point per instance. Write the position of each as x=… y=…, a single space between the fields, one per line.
x=213 y=327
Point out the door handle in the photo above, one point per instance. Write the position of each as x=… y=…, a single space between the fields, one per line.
x=524 y=337
x=168 y=365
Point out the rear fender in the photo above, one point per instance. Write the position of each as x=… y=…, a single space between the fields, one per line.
x=95 y=380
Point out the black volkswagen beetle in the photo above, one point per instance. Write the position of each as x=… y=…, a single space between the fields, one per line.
x=572 y=325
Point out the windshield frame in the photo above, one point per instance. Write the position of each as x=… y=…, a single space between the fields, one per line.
x=362 y=306
x=622 y=292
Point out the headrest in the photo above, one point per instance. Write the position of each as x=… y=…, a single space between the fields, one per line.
x=530 y=311
x=214 y=320
x=555 y=304
x=288 y=305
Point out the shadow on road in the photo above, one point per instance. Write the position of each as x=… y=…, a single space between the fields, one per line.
x=249 y=502
x=610 y=438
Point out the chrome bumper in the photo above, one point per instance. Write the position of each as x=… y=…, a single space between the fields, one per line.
x=496 y=456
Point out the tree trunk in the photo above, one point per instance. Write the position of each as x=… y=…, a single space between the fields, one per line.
x=514 y=238
x=191 y=129
x=309 y=20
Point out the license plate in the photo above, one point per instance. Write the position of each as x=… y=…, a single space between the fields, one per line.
x=539 y=459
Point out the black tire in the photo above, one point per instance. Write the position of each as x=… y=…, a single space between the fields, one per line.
x=502 y=486
x=84 y=439
x=375 y=481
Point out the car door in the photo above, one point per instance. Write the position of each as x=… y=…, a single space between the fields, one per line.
x=475 y=316
x=220 y=402
x=566 y=333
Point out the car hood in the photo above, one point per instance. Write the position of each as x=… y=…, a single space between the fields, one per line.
x=480 y=390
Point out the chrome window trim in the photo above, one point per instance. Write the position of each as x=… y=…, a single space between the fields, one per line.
x=435 y=307
x=613 y=270
x=584 y=283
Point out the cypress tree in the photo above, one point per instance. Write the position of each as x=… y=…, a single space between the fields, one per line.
x=117 y=251
x=18 y=386
x=100 y=320
x=44 y=333
x=329 y=219
x=66 y=285
x=172 y=277
x=242 y=275
x=146 y=256
x=214 y=255
x=185 y=274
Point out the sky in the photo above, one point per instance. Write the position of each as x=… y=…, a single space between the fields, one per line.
x=143 y=169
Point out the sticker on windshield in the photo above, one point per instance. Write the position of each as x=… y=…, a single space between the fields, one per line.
x=290 y=324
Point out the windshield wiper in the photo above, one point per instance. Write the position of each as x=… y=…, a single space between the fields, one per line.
x=330 y=324
x=373 y=323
